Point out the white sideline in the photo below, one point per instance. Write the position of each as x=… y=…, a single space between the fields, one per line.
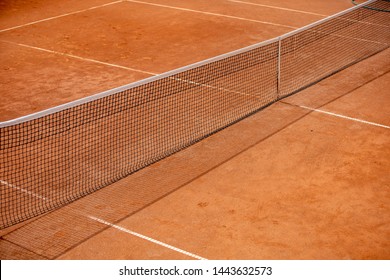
x=278 y=8
x=147 y=238
x=59 y=16
x=213 y=14
x=23 y=190
x=172 y=72
x=122 y=67
x=344 y=117
x=304 y=12
x=79 y=57
x=172 y=7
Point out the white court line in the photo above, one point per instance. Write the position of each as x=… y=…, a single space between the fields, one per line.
x=213 y=14
x=23 y=190
x=304 y=12
x=353 y=38
x=79 y=57
x=344 y=117
x=147 y=238
x=278 y=8
x=60 y=16
x=124 y=67
x=349 y=37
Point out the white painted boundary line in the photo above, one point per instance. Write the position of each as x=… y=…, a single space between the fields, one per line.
x=124 y=67
x=212 y=14
x=344 y=117
x=79 y=57
x=147 y=238
x=60 y=16
x=173 y=72
x=172 y=7
x=353 y=38
x=23 y=190
x=278 y=8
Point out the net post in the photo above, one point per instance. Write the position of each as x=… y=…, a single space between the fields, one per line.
x=279 y=59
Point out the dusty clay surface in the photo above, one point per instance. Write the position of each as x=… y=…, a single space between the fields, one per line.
x=285 y=183
x=49 y=63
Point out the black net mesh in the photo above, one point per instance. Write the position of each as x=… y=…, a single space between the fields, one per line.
x=374 y=7
x=55 y=159
x=317 y=52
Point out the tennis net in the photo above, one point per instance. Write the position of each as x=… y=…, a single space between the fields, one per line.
x=54 y=157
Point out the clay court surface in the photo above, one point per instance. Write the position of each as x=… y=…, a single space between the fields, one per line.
x=305 y=178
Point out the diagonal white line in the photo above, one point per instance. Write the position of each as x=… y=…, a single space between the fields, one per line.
x=304 y=12
x=278 y=8
x=60 y=16
x=344 y=117
x=23 y=190
x=123 y=67
x=147 y=238
x=353 y=38
x=79 y=57
x=212 y=14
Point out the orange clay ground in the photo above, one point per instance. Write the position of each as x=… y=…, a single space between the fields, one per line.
x=286 y=183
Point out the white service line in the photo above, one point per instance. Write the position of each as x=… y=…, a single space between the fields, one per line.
x=344 y=117
x=212 y=14
x=147 y=238
x=278 y=8
x=23 y=190
x=304 y=12
x=353 y=38
x=79 y=57
x=126 y=68
x=60 y=16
